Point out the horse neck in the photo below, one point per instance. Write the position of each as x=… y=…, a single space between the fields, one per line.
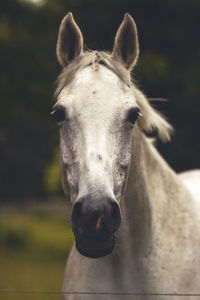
x=145 y=197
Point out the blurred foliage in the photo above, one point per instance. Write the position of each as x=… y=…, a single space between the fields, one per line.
x=52 y=178
x=34 y=247
x=36 y=234
x=169 y=67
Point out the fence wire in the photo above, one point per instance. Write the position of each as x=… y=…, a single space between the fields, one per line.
x=97 y=293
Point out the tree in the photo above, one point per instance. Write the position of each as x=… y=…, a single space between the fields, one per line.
x=168 y=67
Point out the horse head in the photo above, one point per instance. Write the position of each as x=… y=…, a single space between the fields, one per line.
x=97 y=113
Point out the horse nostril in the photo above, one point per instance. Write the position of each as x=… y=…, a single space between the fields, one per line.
x=91 y=218
x=76 y=211
x=116 y=215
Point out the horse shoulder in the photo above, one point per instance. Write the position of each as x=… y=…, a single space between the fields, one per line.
x=192 y=181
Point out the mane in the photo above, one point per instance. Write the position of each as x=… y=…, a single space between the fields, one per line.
x=150 y=120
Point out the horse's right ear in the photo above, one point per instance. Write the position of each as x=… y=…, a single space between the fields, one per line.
x=70 y=41
x=126 y=46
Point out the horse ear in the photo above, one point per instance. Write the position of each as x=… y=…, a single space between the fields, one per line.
x=126 y=47
x=70 y=41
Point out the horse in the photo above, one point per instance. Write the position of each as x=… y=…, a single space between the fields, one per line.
x=136 y=221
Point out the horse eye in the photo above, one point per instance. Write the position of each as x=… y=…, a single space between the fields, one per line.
x=132 y=115
x=59 y=113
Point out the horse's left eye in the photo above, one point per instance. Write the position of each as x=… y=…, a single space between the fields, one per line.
x=59 y=113
x=132 y=115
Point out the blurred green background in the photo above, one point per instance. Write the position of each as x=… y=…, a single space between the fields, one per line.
x=35 y=235
x=35 y=241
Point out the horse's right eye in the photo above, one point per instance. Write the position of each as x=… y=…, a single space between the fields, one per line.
x=59 y=113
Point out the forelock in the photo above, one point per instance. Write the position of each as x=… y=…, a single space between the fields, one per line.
x=94 y=59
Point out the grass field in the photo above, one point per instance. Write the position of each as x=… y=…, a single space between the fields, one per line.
x=34 y=246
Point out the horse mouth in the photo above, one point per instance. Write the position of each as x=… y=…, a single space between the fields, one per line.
x=92 y=249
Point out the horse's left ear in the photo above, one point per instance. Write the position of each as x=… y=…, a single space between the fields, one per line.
x=70 y=41
x=126 y=47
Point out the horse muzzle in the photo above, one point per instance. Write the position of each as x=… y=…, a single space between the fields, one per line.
x=95 y=223
x=95 y=247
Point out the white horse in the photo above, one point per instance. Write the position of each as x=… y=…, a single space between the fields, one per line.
x=112 y=171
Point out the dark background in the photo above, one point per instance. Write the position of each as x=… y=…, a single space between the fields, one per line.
x=169 y=67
